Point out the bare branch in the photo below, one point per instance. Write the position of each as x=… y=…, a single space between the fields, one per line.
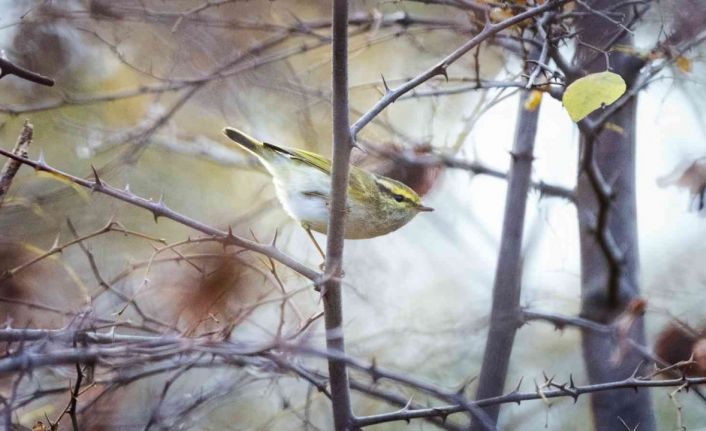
x=331 y=292
x=441 y=67
x=160 y=209
x=112 y=226
x=9 y=68
x=13 y=166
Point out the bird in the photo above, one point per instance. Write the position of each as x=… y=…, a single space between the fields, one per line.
x=376 y=205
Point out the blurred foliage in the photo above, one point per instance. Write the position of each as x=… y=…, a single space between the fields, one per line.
x=143 y=90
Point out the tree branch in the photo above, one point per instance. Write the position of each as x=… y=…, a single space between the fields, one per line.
x=560 y=391
x=160 y=209
x=508 y=272
x=13 y=166
x=441 y=67
x=9 y=68
x=331 y=292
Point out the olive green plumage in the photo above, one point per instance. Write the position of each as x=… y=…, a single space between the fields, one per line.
x=376 y=205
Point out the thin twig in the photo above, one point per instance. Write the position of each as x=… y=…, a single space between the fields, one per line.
x=160 y=209
x=111 y=226
x=441 y=67
x=13 y=166
x=9 y=68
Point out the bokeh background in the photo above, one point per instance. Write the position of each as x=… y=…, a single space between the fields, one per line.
x=142 y=94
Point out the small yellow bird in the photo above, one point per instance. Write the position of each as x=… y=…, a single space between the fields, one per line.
x=376 y=205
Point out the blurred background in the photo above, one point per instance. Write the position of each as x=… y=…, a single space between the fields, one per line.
x=143 y=89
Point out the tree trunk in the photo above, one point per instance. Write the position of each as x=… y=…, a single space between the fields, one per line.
x=508 y=272
x=608 y=226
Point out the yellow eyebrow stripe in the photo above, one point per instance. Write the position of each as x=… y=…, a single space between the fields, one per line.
x=394 y=188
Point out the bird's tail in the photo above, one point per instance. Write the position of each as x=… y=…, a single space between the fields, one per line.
x=244 y=140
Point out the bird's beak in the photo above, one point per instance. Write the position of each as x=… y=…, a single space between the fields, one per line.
x=422 y=208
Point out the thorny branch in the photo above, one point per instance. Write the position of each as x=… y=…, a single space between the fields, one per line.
x=111 y=350
x=563 y=390
x=160 y=209
x=440 y=68
x=111 y=226
x=411 y=410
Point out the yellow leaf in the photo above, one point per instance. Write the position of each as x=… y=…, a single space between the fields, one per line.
x=533 y=100
x=591 y=92
x=683 y=64
x=614 y=127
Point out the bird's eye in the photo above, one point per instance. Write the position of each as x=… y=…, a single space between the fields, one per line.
x=398 y=198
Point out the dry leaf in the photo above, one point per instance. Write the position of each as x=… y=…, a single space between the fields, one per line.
x=678 y=342
x=690 y=175
x=592 y=92
x=498 y=14
x=683 y=64
x=699 y=354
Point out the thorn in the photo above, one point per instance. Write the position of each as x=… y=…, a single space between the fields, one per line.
x=374 y=370
x=384 y=83
x=40 y=161
x=442 y=70
x=571 y=381
x=525 y=157
x=355 y=144
x=228 y=239
x=121 y=226
x=274 y=239
x=112 y=222
x=160 y=202
x=55 y=246
x=566 y=390
x=633 y=376
x=517 y=388
x=127 y=188
x=97 y=184
x=300 y=23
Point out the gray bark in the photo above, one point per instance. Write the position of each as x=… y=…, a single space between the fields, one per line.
x=331 y=292
x=508 y=272
x=608 y=229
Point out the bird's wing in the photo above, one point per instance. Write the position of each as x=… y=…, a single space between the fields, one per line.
x=319 y=162
x=307 y=157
